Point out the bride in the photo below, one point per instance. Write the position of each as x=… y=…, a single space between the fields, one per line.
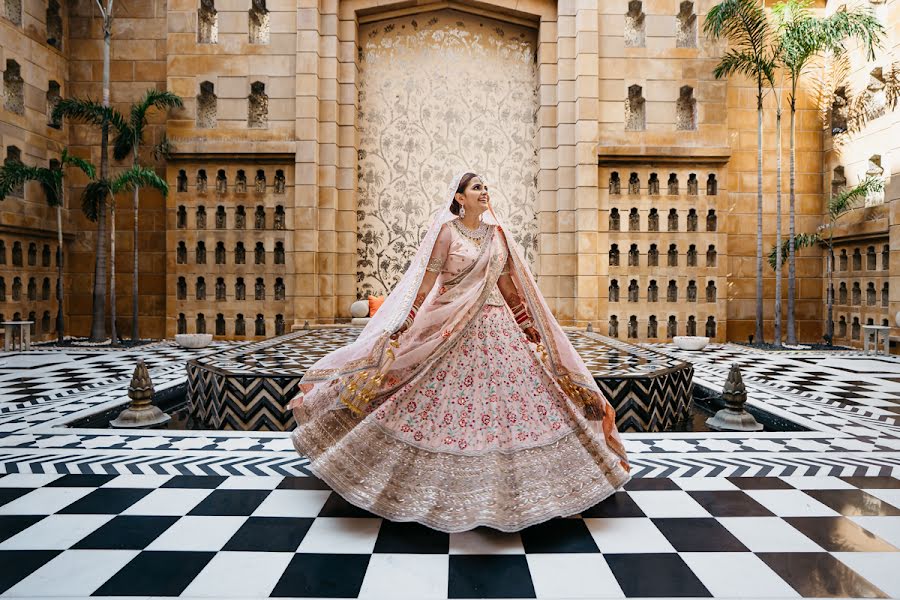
x=442 y=412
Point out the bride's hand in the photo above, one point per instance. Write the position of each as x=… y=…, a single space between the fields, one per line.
x=533 y=336
x=397 y=333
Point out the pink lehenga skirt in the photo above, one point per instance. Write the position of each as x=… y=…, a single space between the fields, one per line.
x=484 y=436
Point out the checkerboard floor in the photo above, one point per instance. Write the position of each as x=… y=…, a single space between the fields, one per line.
x=251 y=537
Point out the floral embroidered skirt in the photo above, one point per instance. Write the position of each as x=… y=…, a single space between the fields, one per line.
x=483 y=436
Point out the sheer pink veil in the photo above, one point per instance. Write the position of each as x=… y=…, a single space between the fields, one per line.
x=368 y=352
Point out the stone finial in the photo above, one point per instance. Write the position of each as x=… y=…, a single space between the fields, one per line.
x=140 y=412
x=590 y=327
x=733 y=417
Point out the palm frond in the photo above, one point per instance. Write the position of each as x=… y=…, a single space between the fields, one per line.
x=138 y=176
x=15 y=174
x=742 y=22
x=848 y=199
x=801 y=240
x=93 y=196
x=84 y=166
x=860 y=24
x=736 y=62
x=90 y=112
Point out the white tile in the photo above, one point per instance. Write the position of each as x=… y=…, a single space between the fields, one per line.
x=27 y=480
x=700 y=484
x=572 y=576
x=818 y=483
x=411 y=576
x=73 y=573
x=44 y=501
x=791 y=503
x=887 y=528
x=668 y=503
x=239 y=575
x=891 y=496
x=486 y=541
x=768 y=534
x=627 y=536
x=339 y=535
x=258 y=482
x=880 y=568
x=198 y=533
x=292 y=503
x=56 y=532
x=137 y=481
x=168 y=502
x=737 y=575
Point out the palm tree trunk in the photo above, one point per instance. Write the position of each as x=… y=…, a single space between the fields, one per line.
x=134 y=277
x=98 y=317
x=60 y=319
x=829 y=295
x=112 y=271
x=759 y=216
x=792 y=265
x=778 y=225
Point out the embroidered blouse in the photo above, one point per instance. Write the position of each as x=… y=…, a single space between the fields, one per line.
x=453 y=252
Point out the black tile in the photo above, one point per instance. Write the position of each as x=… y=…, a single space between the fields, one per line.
x=730 y=503
x=322 y=576
x=655 y=575
x=619 y=504
x=126 y=533
x=269 y=534
x=489 y=576
x=558 y=536
x=302 y=483
x=650 y=483
x=337 y=506
x=156 y=574
x=239 y=503
x=839 y=534
x=7 y=495
x=410 y=538
x=760 y=483
x=10 y=525
x=16 y=565
x=202 y=482
x=819 y=575
x=105 y=501
x=698 y=535
x=853 y=503
x=90 y=481
x=874 y=483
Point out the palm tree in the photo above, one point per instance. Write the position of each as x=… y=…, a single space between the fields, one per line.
x=101 y=191
x=95 y=206
x=744 y=25
x=15 y=174
x=802 y=37
x=838 y=205
x=128 y=141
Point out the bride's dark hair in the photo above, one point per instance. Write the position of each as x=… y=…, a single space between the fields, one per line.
x=463 y=183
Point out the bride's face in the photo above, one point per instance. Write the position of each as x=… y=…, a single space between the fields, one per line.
x=476 y=198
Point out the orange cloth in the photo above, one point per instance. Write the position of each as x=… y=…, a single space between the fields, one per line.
x=375 y=303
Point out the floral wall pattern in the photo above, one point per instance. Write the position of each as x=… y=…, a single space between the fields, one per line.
x=441 y=92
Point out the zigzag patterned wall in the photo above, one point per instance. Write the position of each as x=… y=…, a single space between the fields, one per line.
x=243 y=403
x=650 y=403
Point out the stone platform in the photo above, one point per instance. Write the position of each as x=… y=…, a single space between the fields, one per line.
x=248 y=391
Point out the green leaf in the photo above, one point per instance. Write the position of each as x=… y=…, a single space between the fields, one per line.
x=801 y=240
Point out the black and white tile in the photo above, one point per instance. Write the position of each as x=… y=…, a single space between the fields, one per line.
x=254 y=537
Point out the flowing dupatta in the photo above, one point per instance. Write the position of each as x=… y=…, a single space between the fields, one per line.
x=358 y=375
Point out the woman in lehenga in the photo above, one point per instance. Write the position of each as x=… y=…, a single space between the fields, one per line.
x=442 y=412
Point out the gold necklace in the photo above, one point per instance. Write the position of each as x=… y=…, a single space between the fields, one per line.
x=476 y=236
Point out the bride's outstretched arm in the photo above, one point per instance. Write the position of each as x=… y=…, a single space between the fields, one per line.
x=432 y=270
